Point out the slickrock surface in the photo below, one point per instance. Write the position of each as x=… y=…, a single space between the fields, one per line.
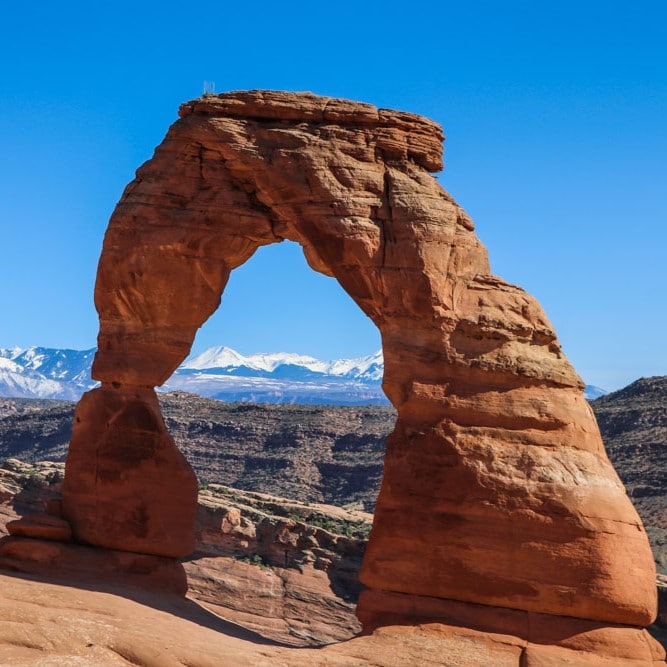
x=113 y=606
x=496 y=489
x=59 y=624
x=285 y=569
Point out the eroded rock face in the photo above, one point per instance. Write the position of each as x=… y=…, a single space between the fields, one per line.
x=127 y=486
x=496 y=491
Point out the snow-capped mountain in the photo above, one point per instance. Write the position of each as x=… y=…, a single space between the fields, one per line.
x=39 y=372
x=218 y=372
x=281 y=377
x=226 y=360
x=591 y=392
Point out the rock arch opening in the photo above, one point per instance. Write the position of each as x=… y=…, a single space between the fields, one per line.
x=276 y=303
x=325 y=442
x=496 y=490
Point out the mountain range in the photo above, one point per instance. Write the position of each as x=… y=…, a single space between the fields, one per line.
x=39 y=372
x=218 y=372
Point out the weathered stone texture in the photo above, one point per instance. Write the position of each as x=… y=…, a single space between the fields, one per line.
x=41 y=526
x=127 y=486
x=497 y=489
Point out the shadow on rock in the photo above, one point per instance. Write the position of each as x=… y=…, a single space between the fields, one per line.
x=160 y=583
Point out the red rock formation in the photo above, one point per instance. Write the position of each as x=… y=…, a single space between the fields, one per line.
x=41 y=526
x=128 y=486
x=497 y=490
x=289 y=580
x=297 y=606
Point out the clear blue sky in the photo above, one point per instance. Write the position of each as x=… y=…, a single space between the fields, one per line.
x=556 y=124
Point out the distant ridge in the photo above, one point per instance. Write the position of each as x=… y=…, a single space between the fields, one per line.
x=218 y=372
x=281 y=377
x=633 y=423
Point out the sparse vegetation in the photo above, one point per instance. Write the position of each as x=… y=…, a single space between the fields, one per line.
x=255 y=559
x=257 y=506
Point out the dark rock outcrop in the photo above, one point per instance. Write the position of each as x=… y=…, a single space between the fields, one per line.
x=633 y=422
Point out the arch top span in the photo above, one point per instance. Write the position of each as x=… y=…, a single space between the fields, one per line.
x=496 y=491
x=350 y=184
x=416 y=137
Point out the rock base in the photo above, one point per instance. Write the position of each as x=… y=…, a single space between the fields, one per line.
x=41 y=526
x=542 y=640
x=99 y=567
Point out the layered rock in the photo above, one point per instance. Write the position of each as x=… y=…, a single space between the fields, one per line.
x=496 y=490
x=294 y=573
x=303 y=604
x=41 y=526
x=284 y=569
x=129 y=487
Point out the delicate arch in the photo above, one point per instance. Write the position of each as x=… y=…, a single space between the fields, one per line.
x=496 y=489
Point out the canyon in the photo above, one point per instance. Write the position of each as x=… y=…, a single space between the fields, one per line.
x=333 y=454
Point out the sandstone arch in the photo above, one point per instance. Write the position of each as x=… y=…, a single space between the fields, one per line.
x=497 y=490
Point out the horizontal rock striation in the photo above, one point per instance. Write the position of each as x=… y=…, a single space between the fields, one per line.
x=496 y=490
x=285 y=569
